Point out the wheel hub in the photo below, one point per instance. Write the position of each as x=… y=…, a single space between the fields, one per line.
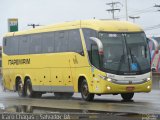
x=85 y=90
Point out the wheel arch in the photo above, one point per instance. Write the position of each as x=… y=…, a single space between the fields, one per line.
x=26 y=78
x=80 y=80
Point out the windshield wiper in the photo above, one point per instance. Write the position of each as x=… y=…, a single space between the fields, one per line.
x=122 y=59
x=134 y=59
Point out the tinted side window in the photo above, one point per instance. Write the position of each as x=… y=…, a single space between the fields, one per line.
x=5 y=45
x=24 y=44
x=11 y=45
x=75 y=44
x=35 y=44
x=95 y=56
x=61 y=41
x=48 y=42
x=87 y=34
x=14 y=46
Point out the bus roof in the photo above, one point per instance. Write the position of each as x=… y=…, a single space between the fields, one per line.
x=99 y=25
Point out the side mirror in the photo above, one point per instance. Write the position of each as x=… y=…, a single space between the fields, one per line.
x=99 y=44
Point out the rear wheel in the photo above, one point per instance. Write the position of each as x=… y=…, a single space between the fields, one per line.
x=127 y=96
x=29 y=91
x=85 y=92
x=20 y=89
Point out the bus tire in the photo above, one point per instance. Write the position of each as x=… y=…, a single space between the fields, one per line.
x=29 y=91
x=20 y=89
x=127 y=96
x=85 y=92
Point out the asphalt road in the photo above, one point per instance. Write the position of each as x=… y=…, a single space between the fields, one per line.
x=143 y=103
x=104 y=107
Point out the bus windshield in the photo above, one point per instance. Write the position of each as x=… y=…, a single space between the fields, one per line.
x=125 y=53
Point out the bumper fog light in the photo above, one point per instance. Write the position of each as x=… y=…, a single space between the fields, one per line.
x=108 y=88
x=148 y=87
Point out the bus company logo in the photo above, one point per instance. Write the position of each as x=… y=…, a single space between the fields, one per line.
x=18 y=61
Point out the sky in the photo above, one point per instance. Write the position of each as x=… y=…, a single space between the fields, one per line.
x=45 y=12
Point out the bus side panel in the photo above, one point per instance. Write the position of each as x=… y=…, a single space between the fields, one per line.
x=61 y=74
x=9 y=76
x=38 y=77
x=67 y=77
x=46 y=76
x=6 y=79
x=56 y=77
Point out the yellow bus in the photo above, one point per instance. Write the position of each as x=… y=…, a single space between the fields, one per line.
x=93 y=57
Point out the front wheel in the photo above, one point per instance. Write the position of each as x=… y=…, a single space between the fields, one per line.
x=127 y=96
x=85 y=92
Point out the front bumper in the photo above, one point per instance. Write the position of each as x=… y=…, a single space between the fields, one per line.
x=112 y=88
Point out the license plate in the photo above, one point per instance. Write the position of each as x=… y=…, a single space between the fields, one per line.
x=130 y=88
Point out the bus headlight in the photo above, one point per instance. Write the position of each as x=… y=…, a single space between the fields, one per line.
x=109 y=79
x=106 y=78
x=147 y=79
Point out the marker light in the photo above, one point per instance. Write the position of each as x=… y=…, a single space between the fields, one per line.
x=148 y=87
